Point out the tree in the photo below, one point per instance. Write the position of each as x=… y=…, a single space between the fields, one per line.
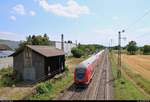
x=45 y=40
x=132 y=47
x=76 y=52
x=29 y=40
x=146 y=49
x=35 y=40
x=115 y=47
x=69 y=41
x=90 y=48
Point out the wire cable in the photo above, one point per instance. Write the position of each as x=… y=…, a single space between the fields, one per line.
x=139 y=19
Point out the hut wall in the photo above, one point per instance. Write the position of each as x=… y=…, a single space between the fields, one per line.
x=18 y=62
x=38 y=65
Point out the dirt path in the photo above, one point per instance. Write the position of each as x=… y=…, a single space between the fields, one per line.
x=16 y=93
x=100 y=87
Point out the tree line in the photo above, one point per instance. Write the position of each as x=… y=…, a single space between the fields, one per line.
x=132 y=48
x=85 y=50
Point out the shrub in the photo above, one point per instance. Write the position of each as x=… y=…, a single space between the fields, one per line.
x=66 y=68
x=44 y=88
x=146 y=49
x=7 y=80
x=5 y=71
x=76 y=52
x=7 y=77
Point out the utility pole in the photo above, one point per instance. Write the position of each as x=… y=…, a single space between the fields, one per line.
x=111 y=41
x=76 y=43
x=119 y=53
x=110 y=44
x=62 y=42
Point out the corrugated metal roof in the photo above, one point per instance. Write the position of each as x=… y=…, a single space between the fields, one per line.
x=46 y=51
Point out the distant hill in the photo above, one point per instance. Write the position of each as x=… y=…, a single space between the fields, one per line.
x=11 y=44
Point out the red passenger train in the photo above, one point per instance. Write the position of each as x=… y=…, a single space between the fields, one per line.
x=85 y=70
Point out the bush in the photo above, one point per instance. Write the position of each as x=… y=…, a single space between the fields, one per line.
x=5 y=71
x=7 y=80
x=44 y=88
x=66 y=68
x=76 y=52
x=146 y=49
x=7 y=77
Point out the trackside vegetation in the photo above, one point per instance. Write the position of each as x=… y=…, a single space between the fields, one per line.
x=7 y=77
x=85 y=50
x=124 y=89
x=50 y=89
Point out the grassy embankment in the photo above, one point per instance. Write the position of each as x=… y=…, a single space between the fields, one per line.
x=139 y=80
x=6 y=77
x=51 y=88
x=123 y=87
x=8 y=88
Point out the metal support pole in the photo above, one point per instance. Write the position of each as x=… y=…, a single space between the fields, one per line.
x=119 y=55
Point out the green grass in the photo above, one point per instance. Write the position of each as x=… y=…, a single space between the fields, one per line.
x=51 y=88
x=122 y=51
x=124 y=89
x=6 y=78
x=5 y=71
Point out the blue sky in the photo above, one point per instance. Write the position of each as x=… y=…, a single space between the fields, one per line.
x=87 y=21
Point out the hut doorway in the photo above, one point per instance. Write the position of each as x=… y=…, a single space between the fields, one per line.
x=49 y=70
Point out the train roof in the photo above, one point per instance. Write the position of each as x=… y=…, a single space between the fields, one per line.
x=89 y=60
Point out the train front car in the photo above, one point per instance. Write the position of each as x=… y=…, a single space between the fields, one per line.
x=81 y=74
x=83 y=71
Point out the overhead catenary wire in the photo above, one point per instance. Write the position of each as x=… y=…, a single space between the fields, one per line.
x=119 y=41
x=136 y=21
x=128 y=28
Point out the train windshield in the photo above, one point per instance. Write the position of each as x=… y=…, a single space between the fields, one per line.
x=80 y=73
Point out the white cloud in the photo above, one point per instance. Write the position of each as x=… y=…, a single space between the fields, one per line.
x=19 y=9
x=72 y=8
x=32 y=13
x=104 y=35
x=144 y=30
x=7 y=33
x=104 y=31
x=13 y=18
x=11 y=36
x=115 y=18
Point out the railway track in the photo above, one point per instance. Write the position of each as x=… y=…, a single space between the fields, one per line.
x=100 y=87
